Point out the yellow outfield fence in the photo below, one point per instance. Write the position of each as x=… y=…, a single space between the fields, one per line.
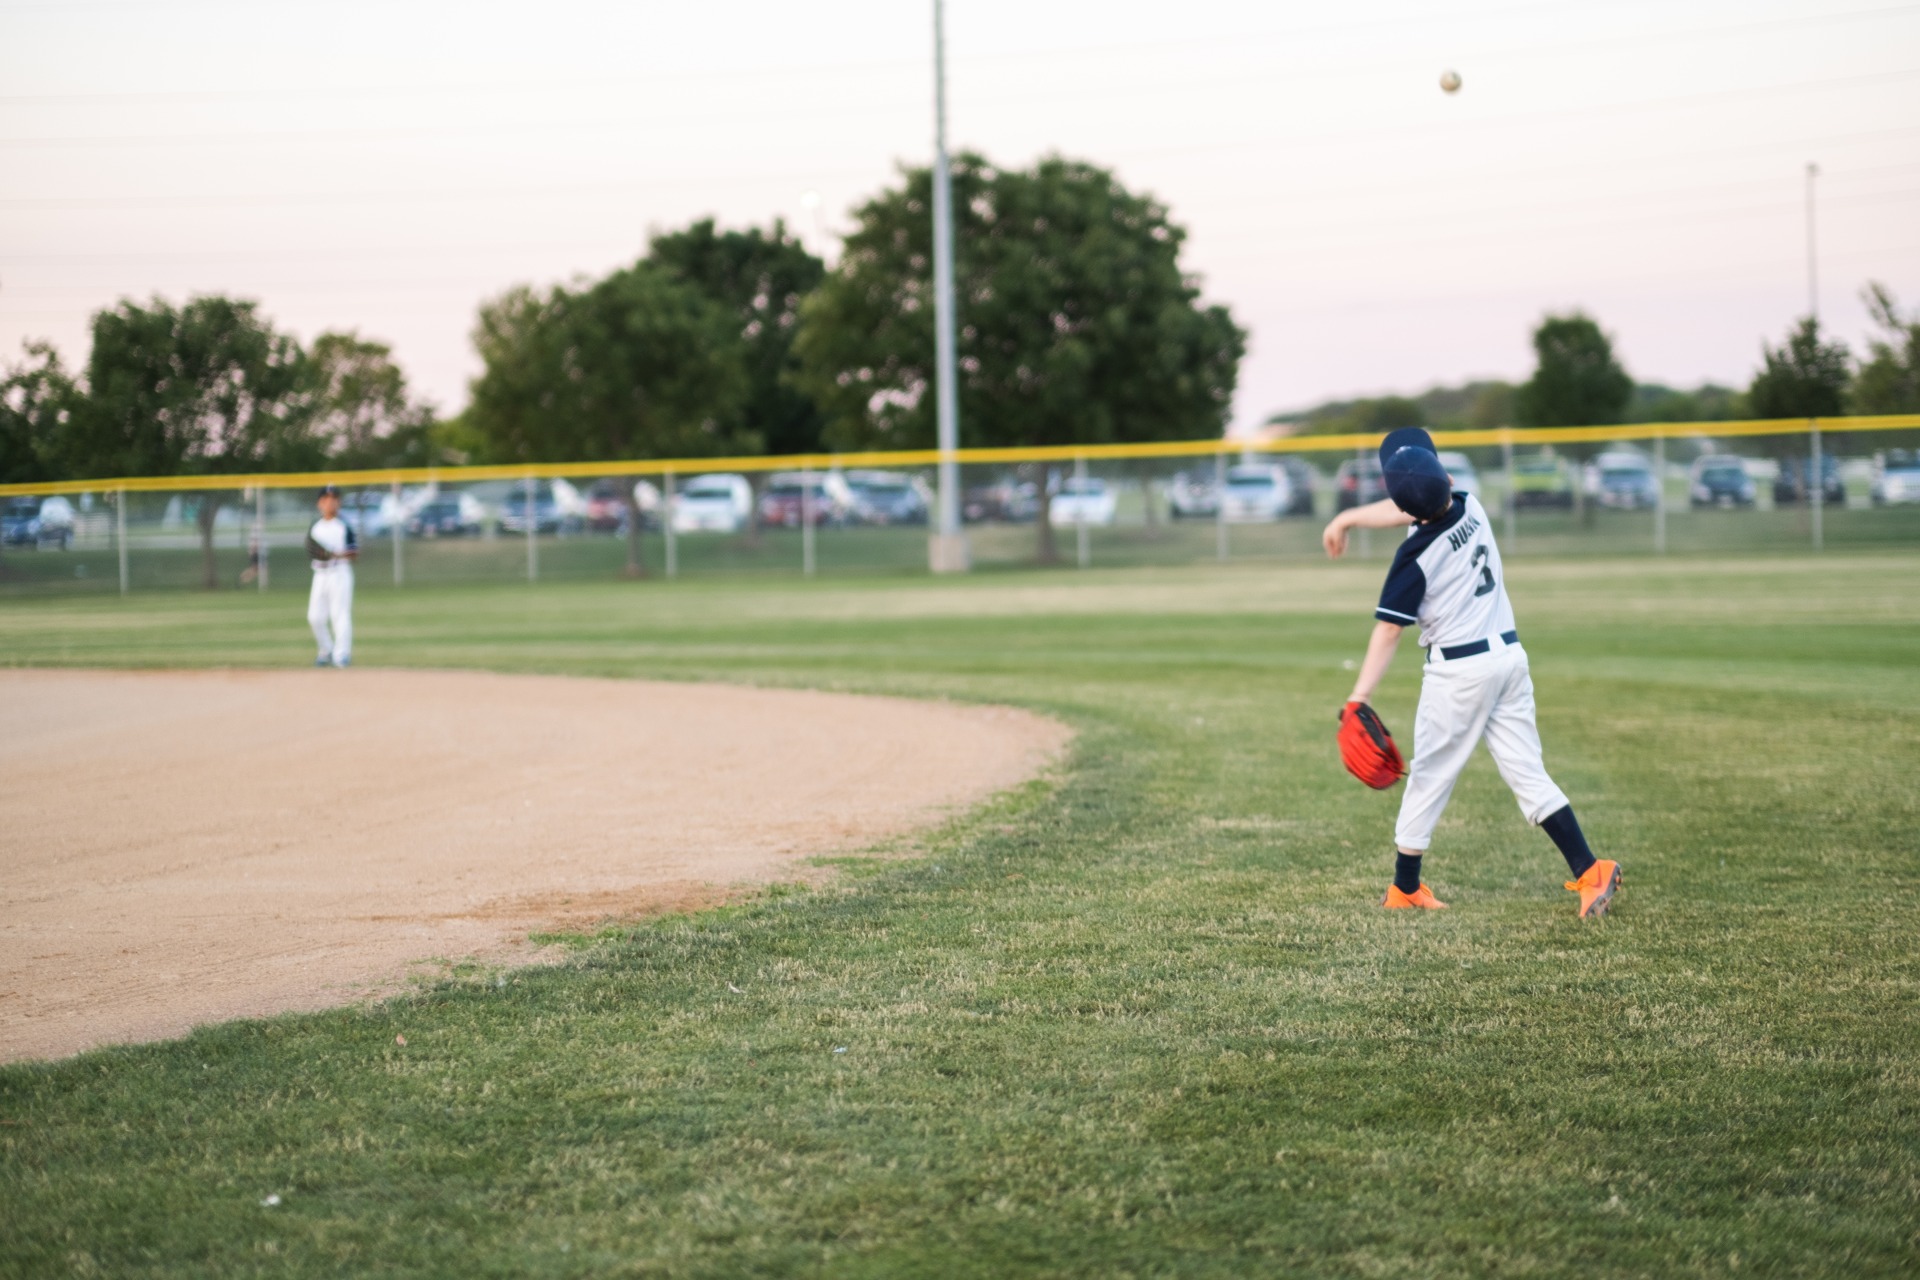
x=1495 y=436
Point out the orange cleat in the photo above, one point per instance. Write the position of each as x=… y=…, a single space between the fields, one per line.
x=1596 y=888
x=1422 y=897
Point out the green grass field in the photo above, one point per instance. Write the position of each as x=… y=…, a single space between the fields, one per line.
x=1143 y=1019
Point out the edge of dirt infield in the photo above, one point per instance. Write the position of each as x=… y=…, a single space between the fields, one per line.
x=202 y=845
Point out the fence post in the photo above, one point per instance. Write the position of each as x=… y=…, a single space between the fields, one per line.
x=1082 y=546
x=533 y=545
x=260 y=536
x=399 y=531
x=1816 y=483
x=120 y=534
x=1660 y=495
x=667 y=500
x=1220 y=503
x=1511 y=534
x=806 y=521
x=1359 y=497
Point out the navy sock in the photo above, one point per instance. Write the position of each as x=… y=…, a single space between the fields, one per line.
x=1406 y=873
x=1565 y=830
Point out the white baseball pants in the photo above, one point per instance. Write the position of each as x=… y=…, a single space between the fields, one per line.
x=330 y=612
x=1489 y=695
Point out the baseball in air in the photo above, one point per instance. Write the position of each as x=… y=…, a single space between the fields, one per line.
x=1450 y=81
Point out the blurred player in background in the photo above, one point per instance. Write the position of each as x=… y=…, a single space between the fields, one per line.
x=332 y=548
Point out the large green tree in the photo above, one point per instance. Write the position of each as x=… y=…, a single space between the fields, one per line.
x=761 y=277
x=1889 y=378
x=205 y=389
x=37 y=399
x=1577 y=381
x=363 y=415
x=1076 y=323
x=639 y=365
x=1804 y=377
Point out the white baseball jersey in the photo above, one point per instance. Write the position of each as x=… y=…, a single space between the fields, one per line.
x=1447 y=578
x=335 y=536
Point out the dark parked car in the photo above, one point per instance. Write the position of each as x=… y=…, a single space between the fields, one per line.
x=887 y=497
x=607 y=508
x=37 y=522
x=1624 y=480
x=446 y=517
x=546 y=511
x=1016 y=501
x=1790 y=486
x=1303 y=479
x=1719 y=480
x=1357 y=483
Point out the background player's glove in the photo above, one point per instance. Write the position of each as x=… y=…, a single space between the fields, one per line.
x=1367 y=749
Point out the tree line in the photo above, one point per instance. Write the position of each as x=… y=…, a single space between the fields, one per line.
x=1077 y=325
x=1578 y=380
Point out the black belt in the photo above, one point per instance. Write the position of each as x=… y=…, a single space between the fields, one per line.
x=1452 y=651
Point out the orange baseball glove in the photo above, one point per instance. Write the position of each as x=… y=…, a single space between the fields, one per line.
x=1367 y=749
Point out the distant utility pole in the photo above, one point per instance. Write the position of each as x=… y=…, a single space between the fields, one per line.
x=1816 y=476
x=1813 y=279
x=948 y=550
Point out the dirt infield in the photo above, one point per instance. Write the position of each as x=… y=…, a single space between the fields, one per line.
x=187 y=847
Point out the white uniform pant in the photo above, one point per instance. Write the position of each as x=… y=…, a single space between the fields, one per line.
x=1489 y=696
x=330 y=612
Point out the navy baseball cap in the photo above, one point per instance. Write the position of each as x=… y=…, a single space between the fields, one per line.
x=1415 y=480
x=329 y=491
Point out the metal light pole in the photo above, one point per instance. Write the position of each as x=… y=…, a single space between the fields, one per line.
x=947 y=552
x=1816 y=479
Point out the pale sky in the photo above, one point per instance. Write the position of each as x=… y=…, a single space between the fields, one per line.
x=385 y=165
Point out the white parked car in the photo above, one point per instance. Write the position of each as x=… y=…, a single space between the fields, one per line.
x=1896 y=477
x=1257 y=491
x=716 y=503
x=1460 y=467
x=1087 y=500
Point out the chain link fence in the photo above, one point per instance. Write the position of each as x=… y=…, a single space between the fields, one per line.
x=1557 y=496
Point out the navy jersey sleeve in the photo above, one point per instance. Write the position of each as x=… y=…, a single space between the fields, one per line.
x=1406 y=586
x=353 y=543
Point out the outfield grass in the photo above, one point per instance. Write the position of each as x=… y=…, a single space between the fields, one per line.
x=1142 y=1019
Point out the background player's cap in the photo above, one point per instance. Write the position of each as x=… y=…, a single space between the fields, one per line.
x=328 y=491
x=1405 y=438
x=1416 y=482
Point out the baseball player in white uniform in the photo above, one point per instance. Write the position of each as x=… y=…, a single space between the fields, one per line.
x=332 y=548
x=1447 y=578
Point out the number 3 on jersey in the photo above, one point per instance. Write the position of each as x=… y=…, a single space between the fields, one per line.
x=1486 y=574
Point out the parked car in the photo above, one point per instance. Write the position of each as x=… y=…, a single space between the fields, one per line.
x=1257 y=491
x=791 y=496
x=1302 y=480
x=450 y=515
x=1542 y=480
x=549 y=515
x=1790 y=485
x=37 y=522
x=714 y=503
x=1719 y=480
x=1082 y=500
x=1015 y=501
x=1190 y=496
x=369 y=512
x=889 y=497
x=1358 y=482
x=1896 y=477
x=1622 y=478
x=606 y=505
x=1465 y=478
